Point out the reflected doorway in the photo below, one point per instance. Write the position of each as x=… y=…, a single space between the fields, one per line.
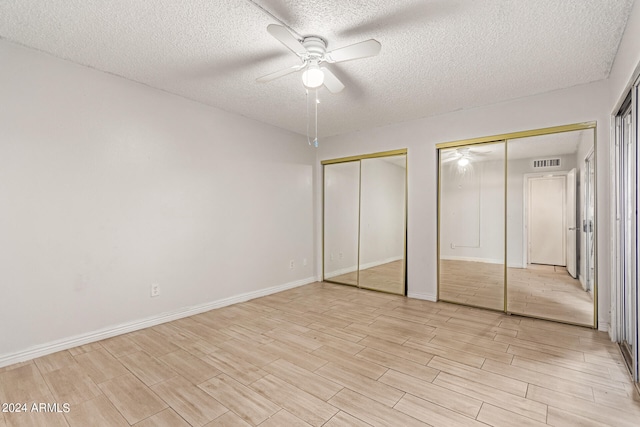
x=546 y=199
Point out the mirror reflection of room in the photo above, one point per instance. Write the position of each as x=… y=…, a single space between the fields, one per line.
x=550 y=226
x=549 y=245
x=472 y=225
x=341 y=222
x=365 y=222
x=382 y=224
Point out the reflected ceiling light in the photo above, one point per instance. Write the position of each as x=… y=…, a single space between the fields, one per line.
x=313 y=77
x=463 y=161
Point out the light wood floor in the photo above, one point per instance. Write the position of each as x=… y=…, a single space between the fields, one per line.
x=333 y=355
x=538 y=290
x=387 y=277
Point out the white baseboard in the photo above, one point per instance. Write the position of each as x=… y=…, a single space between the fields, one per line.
x=353 y=268
x=419 y=295
x=485 y=260
x=472 y=259
x=603 y=326
x=70 y=342
x=381 y=262
x=340 y=272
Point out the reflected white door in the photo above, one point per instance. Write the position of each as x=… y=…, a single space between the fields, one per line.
x=572 y=252
x=589 y=222
x=547 y=220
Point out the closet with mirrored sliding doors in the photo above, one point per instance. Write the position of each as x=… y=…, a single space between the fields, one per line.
x=516 y=223
x=364 y=221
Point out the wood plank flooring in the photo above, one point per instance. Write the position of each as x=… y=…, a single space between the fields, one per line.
x=332 y=355
x=539 y=290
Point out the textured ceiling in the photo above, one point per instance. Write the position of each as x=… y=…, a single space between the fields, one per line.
x=437 y=56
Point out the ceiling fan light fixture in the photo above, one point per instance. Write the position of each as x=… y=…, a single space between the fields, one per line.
x=463 y=161
x=312 y=77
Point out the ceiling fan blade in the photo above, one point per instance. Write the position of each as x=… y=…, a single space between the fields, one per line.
x=280 y=73
x=331 y=82
x=450 y=156
x=363 y=49
x=448 y=160
x=286 y=38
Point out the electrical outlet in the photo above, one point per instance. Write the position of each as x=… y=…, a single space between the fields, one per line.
x=155 y=290
x=453 y=246
x=331 y=256
x=304 y=261
x=340 y=255
x=291 y=264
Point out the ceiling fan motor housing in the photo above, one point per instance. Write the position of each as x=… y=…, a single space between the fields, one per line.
x=316 y=48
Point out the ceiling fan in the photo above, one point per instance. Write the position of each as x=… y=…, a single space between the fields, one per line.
x=312 y=51
x=463 y=155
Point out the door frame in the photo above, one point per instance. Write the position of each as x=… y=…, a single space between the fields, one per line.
x=618 y=270
x=588 y=190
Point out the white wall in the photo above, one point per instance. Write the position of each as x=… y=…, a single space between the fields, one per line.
x=627 y=59
x=108 y=186
x=377 y=207
x=574 y=105
x=341 y=218
x=382 y=212
x=472 y=219
x=473 y=207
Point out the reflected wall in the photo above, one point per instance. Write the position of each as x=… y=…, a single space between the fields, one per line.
x=472 y=225
x=341 y=222
x=382 y=223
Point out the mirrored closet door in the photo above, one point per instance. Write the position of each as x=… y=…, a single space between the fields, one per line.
x=364 y=233
x=550 y=227
x=625 y=233
x=341 y=222
x=472 y=225
x=517 y=223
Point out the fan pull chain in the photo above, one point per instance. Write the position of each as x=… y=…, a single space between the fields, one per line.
x=307 y=101
x=315 y=102
x=315 y=141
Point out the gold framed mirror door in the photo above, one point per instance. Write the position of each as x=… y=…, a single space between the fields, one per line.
x=546 y=227
x=471 y=225
x=550 y=211
x=364 y=221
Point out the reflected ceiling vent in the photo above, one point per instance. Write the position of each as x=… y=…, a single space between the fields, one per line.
x=546 y=163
